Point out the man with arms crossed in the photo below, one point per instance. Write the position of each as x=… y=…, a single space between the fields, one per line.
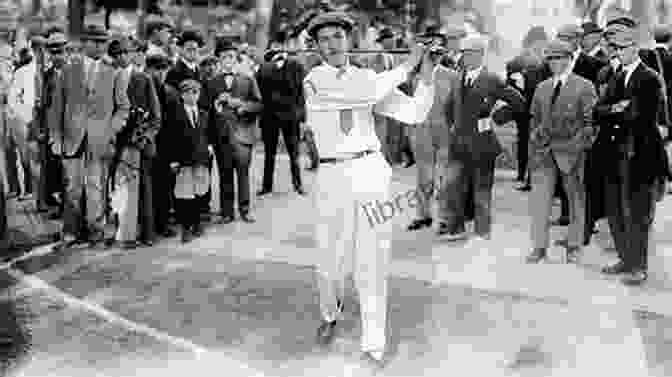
x=340 y=102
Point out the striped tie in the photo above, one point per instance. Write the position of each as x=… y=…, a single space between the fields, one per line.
x=345 y=116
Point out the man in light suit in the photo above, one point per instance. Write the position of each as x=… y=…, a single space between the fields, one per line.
x=561 y=132
x=474 y=104
x=92 y=106
x=431 y=140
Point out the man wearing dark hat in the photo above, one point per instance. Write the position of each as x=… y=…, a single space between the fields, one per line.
x=158 y=33
x=92 y=108
x=234 y=102
x=95 y=39
x=163 y=178
x=591 y=41
x=628 y=112
x=353 y=174
x=190 y=43
x=280 y=81
x=136 y=150
x=558 y=146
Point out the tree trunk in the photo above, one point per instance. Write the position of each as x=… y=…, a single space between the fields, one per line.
x=76 y=17
x=3 y=217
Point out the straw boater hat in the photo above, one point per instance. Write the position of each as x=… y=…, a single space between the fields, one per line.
x=569 y=32
x=621 y=35
x=329 y=19
x=95 y=33
x=191 y=35
x=56 y=42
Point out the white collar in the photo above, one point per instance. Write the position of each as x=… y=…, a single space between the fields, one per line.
x=661 y=45
x=632 y=66
x=191 y=66
x=331 y=68
x=561 y=77
x=595 y=50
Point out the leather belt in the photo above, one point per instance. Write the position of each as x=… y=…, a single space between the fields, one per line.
x=335 y=160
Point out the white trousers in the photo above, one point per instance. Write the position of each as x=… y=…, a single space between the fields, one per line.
x=350 y=241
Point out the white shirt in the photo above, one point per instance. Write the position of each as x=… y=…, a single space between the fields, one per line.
x=472 y=75
x=192 y=112
x=191 y=66
x=562 y=78
x=364 y=92
x=154 y=49
x=21 y=96
x=631 y=68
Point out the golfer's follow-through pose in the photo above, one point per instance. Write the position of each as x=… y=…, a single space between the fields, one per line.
x=340 y=102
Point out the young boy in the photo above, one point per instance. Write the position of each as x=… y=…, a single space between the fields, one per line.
x=190 y=158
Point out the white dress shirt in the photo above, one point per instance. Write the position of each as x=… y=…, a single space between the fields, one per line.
x=328 y=91
x=192 y=112
x=154 y=49
x=21 y=96
x=631 y=68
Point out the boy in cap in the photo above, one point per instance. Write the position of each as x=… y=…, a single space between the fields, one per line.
x=628 y=112
x=559 y=141
x=188 y=128
x=353 y=174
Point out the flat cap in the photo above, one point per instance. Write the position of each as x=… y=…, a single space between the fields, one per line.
x=385 y=33
x=569 y=31
x=118 y=47
x=158 y=62
x=590 y=28
x=558 y=48
x=191 y=36
x=208 y=61
x=329 y=19
x=56 y=41
x=188 y=85
x=621 y=35
x=662 y=33
x=223 y=45
x=94 y=32
x=474 y=42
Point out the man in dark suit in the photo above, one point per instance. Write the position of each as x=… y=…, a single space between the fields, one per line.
x=136 y=150
x=628 y=112
x=474 y=146
x=281 y=84
x=558 y=141
x=190 y=42
x=234 y=102
x=162 y=176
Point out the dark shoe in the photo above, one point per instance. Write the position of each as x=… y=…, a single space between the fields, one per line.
x=198 y=230
x=615 y=269
x=536 y=256
x=264 y=192
x=635 y=278
x=299 y=190
x=248 y=218
x=312 y=168
x=561 y=243
x=205 y=217
x=525 y=187
x=418 y=224
x=129 y=245
x=573 y=254
x=375 y=360
x=409 y=163
x=326 y=332
x=560 y=221
x=187 y=235
x=168 y=233
x=225 y=220
x=146 y=243
x=451 y=234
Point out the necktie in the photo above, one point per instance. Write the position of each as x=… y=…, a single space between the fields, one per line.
x=194 y=118
x=556 y=92
x=345 y=116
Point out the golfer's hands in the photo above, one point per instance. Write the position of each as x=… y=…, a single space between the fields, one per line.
x=418 y=52
x=620 y=106
x=174 y=166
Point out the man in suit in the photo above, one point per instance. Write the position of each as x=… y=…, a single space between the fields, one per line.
x=91 y=107
x=280 y=81
x=190 y=42
x=135 y=151
x=431 y=141
x=234 y=103
x=188 y=128
x=471 y=109
x=587 y=67
x=628 y=112
x=561 y=131
x=591 y=41
x=163 y=178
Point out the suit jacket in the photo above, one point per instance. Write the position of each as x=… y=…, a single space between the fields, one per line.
x=192 y=140
x=436 y=119
x=181 y=72
x=282 y=92
x=91 y=101
x=588 y=67
x=230 y=126
x=465 y=106
x=635 y=135
x=142 y=94
x=563 y=131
